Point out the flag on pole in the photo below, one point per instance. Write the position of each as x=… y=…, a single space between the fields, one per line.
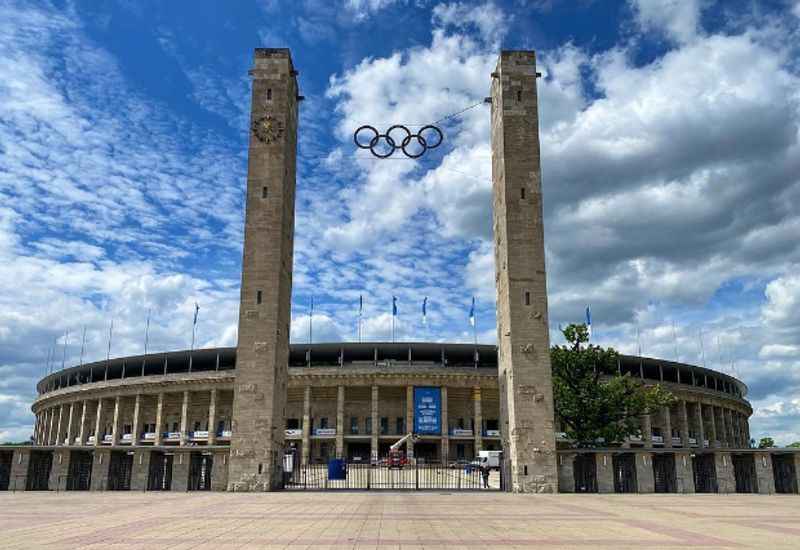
x=196 y=311
x=472 y=313
x=394 y=306
x=360 y=310
x=589 y=321
x=425 y=311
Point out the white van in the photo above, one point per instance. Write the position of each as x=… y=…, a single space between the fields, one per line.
x=490 y=458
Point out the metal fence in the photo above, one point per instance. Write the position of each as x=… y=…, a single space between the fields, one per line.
x=419 y=477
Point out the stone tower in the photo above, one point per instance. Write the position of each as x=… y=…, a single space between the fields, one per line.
x=524 y=373
x=262 y=356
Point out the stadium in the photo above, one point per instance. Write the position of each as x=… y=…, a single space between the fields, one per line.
x=271 y=415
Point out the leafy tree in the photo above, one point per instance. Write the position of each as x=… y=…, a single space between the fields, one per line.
x=795 y=445
x=766 y=443
x=592 y=399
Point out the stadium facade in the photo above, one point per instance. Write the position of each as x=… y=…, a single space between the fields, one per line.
x=260 y=416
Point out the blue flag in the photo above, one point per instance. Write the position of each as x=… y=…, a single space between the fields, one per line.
x=424 y=310
x=196 y=310
x=394 y=306
x=360 y=304
x=589 y=321
x=472 y=313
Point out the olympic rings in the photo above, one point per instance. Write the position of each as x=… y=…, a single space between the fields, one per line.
x=377 y=140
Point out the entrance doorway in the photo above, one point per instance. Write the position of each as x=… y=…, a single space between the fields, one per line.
x=705 y=474
x=426 y=452
x=664 y=473
x=159 y=476
x=785 y=473
x=119 y=471
x=79 y=476
x=585 y=470
x=6 y=458
x=39 y=471
x=624 y=473
x=744 y=470
x=200 y=472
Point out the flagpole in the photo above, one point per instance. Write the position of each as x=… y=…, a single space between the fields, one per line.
x=83 y=344
x=110 y=334
x=64 y=356
x=702 y=349
x=675 y=338
x=194 y=324
x=147 y=331
x=311 y=323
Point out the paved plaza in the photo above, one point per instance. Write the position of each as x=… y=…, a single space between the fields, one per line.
x=395 y=520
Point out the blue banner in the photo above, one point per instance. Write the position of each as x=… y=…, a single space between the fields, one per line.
x=427 y=411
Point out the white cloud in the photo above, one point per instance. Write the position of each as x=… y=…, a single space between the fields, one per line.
x=678 y=19
x=490 y=21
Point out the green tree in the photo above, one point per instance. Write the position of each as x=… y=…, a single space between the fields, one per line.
x=795 y=445
x=766 y=443
x=593 y=401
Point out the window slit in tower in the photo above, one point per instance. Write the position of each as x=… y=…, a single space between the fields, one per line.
x=519 y=95
x=269 y=94
x=264 y=192
x=258 y=297
x=527 y=298
x=522 y=193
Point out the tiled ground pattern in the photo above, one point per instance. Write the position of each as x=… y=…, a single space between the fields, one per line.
x=383 y=520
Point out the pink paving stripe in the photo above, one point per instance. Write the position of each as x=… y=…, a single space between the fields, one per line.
x=681 y=535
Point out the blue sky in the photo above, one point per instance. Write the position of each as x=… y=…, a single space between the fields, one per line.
x=670 y=165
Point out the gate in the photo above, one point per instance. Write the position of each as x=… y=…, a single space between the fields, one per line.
x=744 y=470
x=119 y=471
x=39 y=471
x=200 y=472
x=705 y=473
x=6 y=458
x=785 y=474
x=419 y=477
x=664 y=473
x=624 y=473
x=159 y=476
x=585 y=470
x=79 y=475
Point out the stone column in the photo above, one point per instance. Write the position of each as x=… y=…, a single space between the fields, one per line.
x=701 y=429
x=444 y=428
x=306 y=451
x=566 y=472
x=137 y=408
x=82 y=427
x=70 y=439
x=644 y=473
x=684 y=472
x=731 y=430
x=605 y=472
x=409 y=420
x=159 y=419
x=340 y=422
x=50 y=434
x=526 y=389
x=58 y=440
x=180 y=472
x=375 y=426
x=36 y=428
x=683 y=418
x=212 y=417
x=667 y=427
x=141 y=469
x=478 y=433
x=185 y=419
x=97 y=420
x=115 y=424
x=764 y=474
x=18 y=477
x=647 y=431
x=723 y=433
x=726 y=479
x=713 y=435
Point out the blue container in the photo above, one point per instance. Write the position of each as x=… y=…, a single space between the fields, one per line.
x=337 y=469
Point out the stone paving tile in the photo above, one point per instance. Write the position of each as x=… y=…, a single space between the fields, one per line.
x=403 y=521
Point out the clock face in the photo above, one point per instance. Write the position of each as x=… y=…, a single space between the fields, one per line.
x=267 y=129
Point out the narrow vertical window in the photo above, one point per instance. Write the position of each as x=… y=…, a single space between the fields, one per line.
x=522 y=193
x=258 y=297
x=527 y=298
x=264 y=192
x=269 y=94
x=519 y=95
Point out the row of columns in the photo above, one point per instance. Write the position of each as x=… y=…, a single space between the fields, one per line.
x=49 y=423
x=374 y=435
x=732 y=427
